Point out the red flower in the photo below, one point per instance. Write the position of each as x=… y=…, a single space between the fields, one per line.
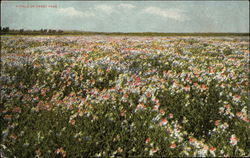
x=163 y=122
x=191 y=140
x=162 y=112
x=213 y=148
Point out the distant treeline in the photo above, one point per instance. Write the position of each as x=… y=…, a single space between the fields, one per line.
x=7 y=31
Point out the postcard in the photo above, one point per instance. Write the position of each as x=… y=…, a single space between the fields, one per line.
x=125 y=79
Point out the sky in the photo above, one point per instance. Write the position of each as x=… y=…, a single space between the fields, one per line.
x=128 y=16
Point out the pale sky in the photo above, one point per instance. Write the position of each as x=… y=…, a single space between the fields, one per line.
x=128 y=16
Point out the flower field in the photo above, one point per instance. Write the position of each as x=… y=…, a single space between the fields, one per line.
x=73 y=96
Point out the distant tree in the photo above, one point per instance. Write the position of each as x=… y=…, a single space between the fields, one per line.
x=21 y=30
x=5 y=29
x=60 y=31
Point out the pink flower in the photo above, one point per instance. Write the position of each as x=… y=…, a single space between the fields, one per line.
x=172 y=146
x=17 y=109
x=148 y=95
x=106 y=97
x=123 y=113
x=153 y=151
x=43 y=91
x=234 y=140
x=72 y=122
x=246 y=119
x=239 y=114
x=187 y=88
x=40 y=103
x=147 y=140
x=171 y=115
x=156 y=107
x=204 y=87
x=61 y=151
x=140 y=106
x=108 y=70
x=13 y=136
x=217 y=123
x=155 y=100
x=125 y=95
x=189 y=80
x=227 y=106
